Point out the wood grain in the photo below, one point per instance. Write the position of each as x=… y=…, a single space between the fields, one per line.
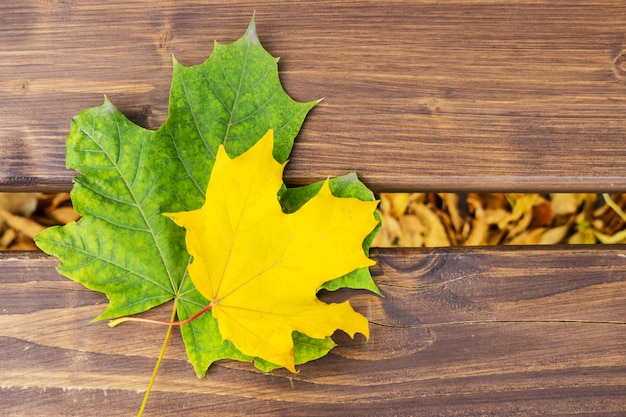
x=459 y=332
x=479 y=95
x=423 y=95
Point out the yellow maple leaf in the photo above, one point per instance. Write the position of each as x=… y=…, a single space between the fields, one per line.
x=260 y=267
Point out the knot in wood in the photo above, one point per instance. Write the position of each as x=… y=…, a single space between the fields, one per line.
x=165 y=39
x=619 y=66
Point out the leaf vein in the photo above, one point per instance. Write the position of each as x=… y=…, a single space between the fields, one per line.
x=250 y=115
x=182 y=161
x=99 y=257
x=193 y=115
x=237 y=92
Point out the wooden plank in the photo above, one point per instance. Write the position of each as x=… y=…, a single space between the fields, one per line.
x=459 y=332
x=422 y=95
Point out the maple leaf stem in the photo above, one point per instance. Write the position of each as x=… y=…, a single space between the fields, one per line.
x=121 y=320
x=158 y=364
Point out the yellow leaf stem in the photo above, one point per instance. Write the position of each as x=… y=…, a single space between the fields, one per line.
x=158 y=364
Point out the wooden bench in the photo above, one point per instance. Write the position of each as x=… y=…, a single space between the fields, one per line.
x=421 y=96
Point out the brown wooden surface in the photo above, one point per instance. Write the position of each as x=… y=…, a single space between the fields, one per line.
x=419 y=95
x=425 y=95
x=439 y=345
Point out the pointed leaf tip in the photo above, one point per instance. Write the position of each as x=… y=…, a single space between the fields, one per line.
x=251 y=35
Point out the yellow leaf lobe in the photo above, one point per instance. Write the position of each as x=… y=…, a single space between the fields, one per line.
x=260 y=267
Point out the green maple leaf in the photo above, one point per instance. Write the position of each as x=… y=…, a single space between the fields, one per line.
x=123 y=246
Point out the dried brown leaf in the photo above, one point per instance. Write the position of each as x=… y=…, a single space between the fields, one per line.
x=480 y=226
x=451 y=203
x=554 y=235
x=7 y=238
x=63 y=215
x=527 y=237
x=412 y=231
x=23 y=225
x=435 y=232
x=23 y=204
